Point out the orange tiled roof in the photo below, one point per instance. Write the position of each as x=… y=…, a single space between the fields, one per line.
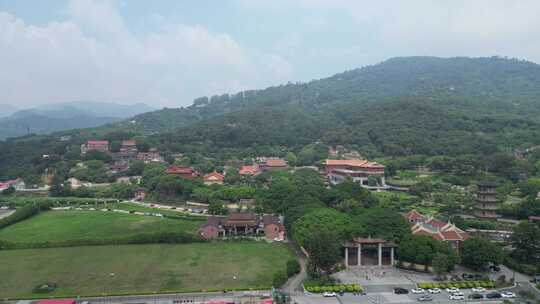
x=248 y=170
x=276 y=162
x=414 y=215
x=353 y=163
x=214 y=176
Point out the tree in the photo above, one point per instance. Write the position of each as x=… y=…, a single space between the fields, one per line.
x=291 y=159
x=478 y=253
x=325 y=219
x=324 y=247
x=440 y=264
x=384 y=223
x=293 y=267
x=526 y=242
x=423 y=250
x=115 y=146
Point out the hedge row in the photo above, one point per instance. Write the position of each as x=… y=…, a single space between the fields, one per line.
x=23 y=213
x=335 y=288
x=143 y=238
x=53 y=201
x=467 y=284
x=520 y=267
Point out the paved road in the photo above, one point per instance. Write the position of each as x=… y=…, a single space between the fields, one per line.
x=185 y=297
x=294 y=284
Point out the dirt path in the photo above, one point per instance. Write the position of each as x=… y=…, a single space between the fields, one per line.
x=294 y=284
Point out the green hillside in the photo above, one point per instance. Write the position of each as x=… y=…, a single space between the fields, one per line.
x=400 y=107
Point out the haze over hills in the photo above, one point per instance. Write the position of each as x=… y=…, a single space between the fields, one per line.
x=7 y=110
x=402 y=106
x=64 y=116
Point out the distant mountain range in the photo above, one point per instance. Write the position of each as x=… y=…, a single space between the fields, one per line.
x=64 y=116
x=7 y=110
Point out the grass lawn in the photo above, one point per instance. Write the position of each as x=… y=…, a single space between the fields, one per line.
x=141 y=268
x=134 y=207
x=61 y=226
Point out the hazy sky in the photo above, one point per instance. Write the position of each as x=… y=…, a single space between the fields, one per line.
x=165 y=53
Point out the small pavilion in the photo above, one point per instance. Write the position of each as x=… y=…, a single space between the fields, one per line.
x=369 y=252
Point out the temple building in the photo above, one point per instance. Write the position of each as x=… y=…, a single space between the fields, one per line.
x=359 y=170
x=486 y=203
x=369 y=252
x=95 y=145
x=441 y=231
x=243 y=224
x=185 y=172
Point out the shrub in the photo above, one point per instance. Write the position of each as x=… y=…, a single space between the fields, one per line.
x=23 y=213
x=293 y=267
x=279 y=279
x=44 y=288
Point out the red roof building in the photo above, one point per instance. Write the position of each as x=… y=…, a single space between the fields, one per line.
x=213 y=178
x=249 y=170
x=243 y=224
x=185 y=172
x=95 y=145
x=442 y=231
x=359 y=170
x=274 y=164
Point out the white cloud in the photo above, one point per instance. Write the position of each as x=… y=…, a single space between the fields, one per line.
x=93 y=56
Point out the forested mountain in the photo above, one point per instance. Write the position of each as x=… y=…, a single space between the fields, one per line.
x=489 y=86
x=402 y=106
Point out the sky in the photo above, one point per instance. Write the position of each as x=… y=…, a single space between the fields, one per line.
x=168 y=52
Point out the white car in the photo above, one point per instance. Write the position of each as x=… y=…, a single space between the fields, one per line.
x=508 y=295
x=478 y=289
x=417 y=290
x=452 y=290
x=329 y=294
x=456 y=297
x=434 y=290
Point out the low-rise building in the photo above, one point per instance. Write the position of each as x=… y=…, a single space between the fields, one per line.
x=359 y=170
x=274 y=164
x=213 y=178
x=439 y=230
x=128 y=146
x=152 y=156
x=17 y=184
x=243 y=224
x=185 y=172
x=253 y=170
x=95 y=145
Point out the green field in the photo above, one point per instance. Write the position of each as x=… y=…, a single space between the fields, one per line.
x=136 y=269
x=65 y=226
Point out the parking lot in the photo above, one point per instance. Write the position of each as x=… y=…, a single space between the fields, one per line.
x=388 y=297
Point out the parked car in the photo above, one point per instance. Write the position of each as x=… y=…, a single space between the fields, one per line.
x=452 y=290
x=456 y=297
x=399 y=290
x=425 y=298
x=478 y=289
x=467 y=276
x=494 y=295
x=476 y=296
x=434 y=290
x=508 y=295
x=417 y=290
x=495 y=268
x=329 y=294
